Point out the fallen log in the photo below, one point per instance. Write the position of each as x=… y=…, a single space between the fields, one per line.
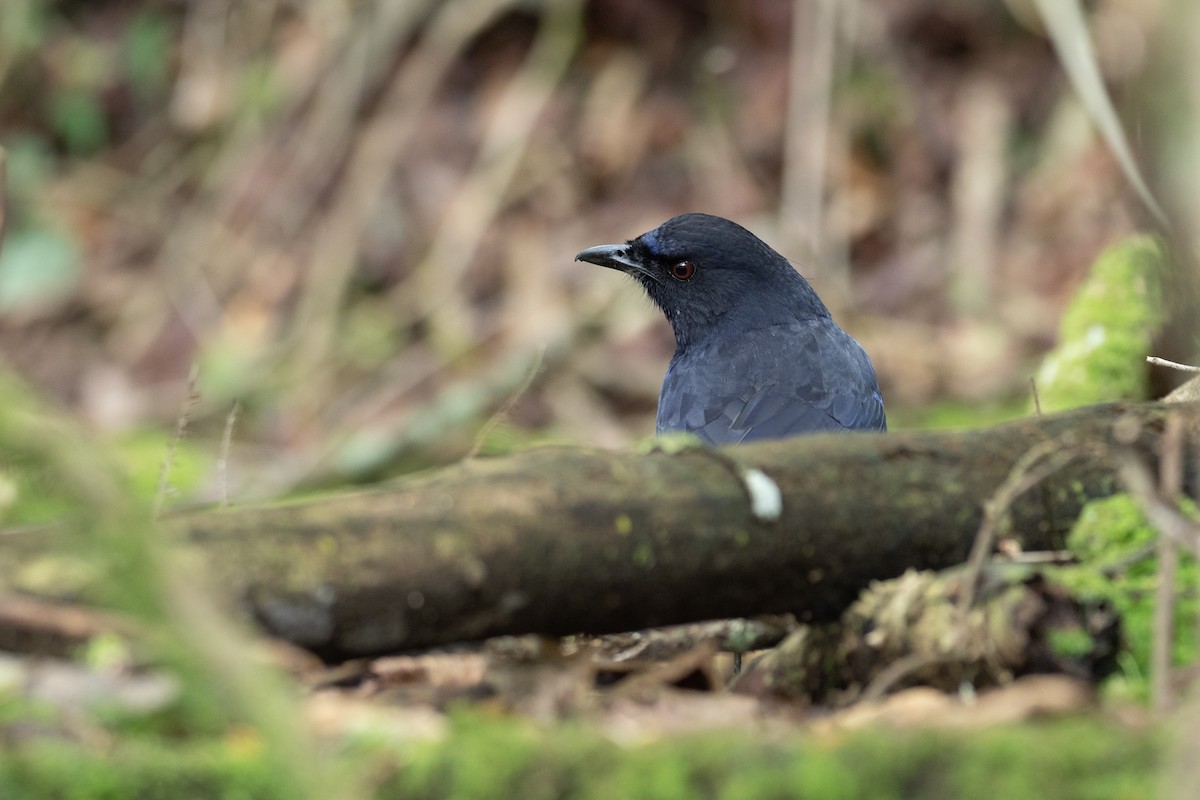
x=561 y=540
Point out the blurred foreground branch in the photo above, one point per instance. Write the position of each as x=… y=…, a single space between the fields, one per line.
x=3 y=194
x=563 y=540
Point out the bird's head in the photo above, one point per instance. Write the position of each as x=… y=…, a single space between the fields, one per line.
x=701 y=270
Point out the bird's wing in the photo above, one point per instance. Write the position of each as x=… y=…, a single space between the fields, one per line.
x=773 y=383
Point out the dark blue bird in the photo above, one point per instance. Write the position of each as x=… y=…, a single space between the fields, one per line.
x=757 y=355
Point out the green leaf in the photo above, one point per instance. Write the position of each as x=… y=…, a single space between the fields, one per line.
x=147 y=53
x=38 y=266
x=1068 y=31
x=79 y=120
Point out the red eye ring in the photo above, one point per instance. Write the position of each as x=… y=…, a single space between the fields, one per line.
x=683 y=270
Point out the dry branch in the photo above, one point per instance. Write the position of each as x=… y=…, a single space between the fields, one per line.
x=564 y=540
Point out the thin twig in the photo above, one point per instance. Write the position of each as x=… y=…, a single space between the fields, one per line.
x=189 y=402
x=1038 y=463
x=3 y=194
x=980 y=182
x=1165 y=518
x=223 y=457
x=1043 y=557
x=1162 y=362
x=1160 y=505
x=1119 y=567
x=1053 y=455
x=382 y=143
x=1037 y=401
x=1196 y=494
x=502 y=412
x=805 y=157
x=479 y=199
x=1170 y=486
x=895 y=672
x=1027 y=472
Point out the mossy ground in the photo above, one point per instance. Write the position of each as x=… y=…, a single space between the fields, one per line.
x=488 y=757
x=1116 y=549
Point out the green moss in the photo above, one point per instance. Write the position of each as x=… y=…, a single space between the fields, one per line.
x=33 y=490
x=960 y=414
x=671 y=443
x=146 y=771
x=643 y=555
x=1079 y=758
x=108 y=528
x=1074 y=644
x=1107 y=330
x=1116 y=549
x=488 y=757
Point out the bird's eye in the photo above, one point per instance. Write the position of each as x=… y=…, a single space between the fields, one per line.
x=683 y=270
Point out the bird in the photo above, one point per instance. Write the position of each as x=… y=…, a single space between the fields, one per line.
x=757 y=354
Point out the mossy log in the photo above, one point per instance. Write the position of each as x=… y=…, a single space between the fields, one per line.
x=564 y=539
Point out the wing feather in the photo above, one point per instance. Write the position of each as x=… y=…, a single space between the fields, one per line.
x=772 y=383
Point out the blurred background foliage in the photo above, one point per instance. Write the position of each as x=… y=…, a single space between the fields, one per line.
x=354 y=222
x=359 y=218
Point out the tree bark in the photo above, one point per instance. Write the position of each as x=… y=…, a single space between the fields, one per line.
x=562 y=540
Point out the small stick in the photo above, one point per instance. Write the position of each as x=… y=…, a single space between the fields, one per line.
x=1039 y=463
x=1170 y=486
x=502 y=412
x=1196 y=493
x=3 y=194
x=189 y=402
x=1162 y=362
x=895 y=672
x=223 y=458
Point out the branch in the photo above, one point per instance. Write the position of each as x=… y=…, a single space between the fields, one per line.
x=563 y=540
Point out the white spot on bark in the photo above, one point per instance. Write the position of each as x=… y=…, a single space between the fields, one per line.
x=766 y=501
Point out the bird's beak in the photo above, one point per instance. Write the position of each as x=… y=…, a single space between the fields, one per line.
x=614 y=256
